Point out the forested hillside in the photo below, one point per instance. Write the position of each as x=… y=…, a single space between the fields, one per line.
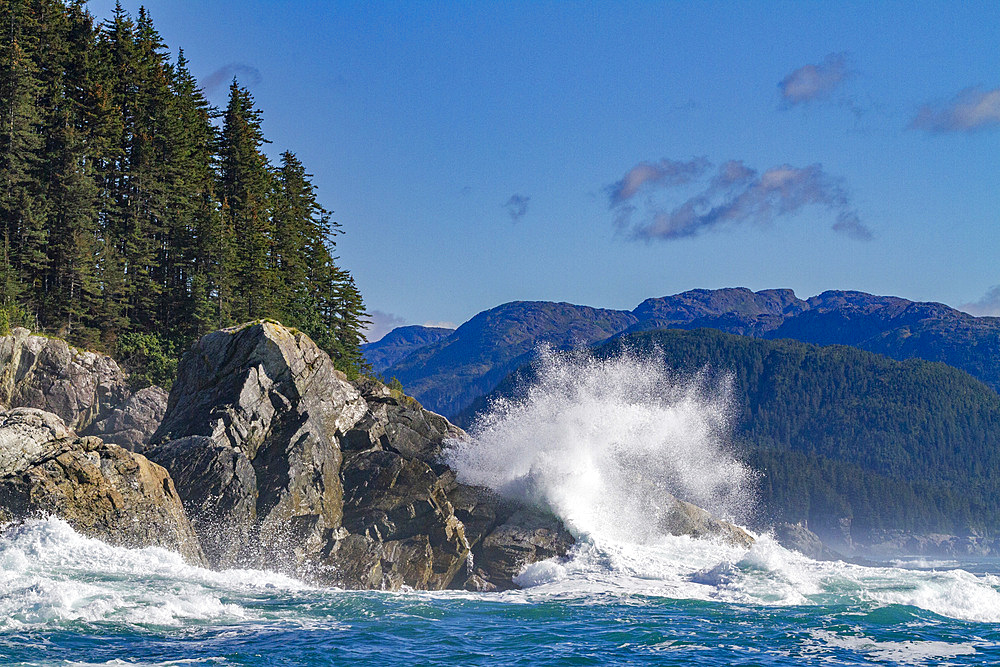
x=846 y=439
x=450 y=374
x=134 y=216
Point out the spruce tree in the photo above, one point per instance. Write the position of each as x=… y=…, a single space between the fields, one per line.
x=245 y=183
x=22 y=203
x=194 y=230
x=127 y=218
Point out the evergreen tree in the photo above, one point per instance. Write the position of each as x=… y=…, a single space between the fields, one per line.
x=127 y=221
x=22 y=204
x=313 y=293
x=245 y=182
x=194 y=233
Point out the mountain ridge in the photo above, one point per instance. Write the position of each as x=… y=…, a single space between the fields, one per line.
x=449 y=373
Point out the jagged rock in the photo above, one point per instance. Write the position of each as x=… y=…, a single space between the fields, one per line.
x=687 y=519
x=100 y=489
x=29 y=435
x=80 y=387
x=478 y=582
x=401 y=504
x=250 y=438
x=282 y=463
x=87 y=390
x=131 y=424
x=526 y=536
x=799 y=538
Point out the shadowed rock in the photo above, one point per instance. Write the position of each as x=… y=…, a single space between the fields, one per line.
x=46 y=373
x=132 y=423
x=87 y=390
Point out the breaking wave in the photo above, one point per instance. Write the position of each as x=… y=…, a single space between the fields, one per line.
x=600 y=442
x=604 y=442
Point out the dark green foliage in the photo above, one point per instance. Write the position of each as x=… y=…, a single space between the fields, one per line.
x=844 y=434
x=148 y=358
x=129 y=222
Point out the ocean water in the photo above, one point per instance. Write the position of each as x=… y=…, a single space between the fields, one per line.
x=69 y=600
x=596 y=442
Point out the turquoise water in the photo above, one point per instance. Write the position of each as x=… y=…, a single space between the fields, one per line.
x=66 y=599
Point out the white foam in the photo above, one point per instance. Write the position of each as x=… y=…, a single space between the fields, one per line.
x=903 y=652
x=598 y=441
x=51 y=574
x=923 y=563
x=604 y=442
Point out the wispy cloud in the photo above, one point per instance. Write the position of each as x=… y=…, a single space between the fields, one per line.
x=814 y=82
x=381 y=323
x=247 y=74
x=517 y=206
x=971 y=109
x=444 y=324
x=734 y=195
x=989 y=304
x=664 y=173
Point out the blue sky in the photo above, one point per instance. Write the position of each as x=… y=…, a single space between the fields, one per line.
x=478 y=153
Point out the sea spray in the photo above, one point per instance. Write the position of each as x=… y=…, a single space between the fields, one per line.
x=601 y=441
x=605 y=443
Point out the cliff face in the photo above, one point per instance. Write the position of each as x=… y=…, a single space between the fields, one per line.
x=87 y=390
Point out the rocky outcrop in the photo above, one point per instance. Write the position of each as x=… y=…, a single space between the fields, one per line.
x=99 y=488
x=87 y=390
x=894 y=543
x=797 y=537
x=683 y=518
x=47 y=373
x=271 y=459
x=283 y=463
x=527 y=535
x=133 y=422
x=250 y=438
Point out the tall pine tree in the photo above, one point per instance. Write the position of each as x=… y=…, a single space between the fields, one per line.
x=245 y=183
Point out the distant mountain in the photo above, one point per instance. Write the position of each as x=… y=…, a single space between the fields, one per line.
x=448 y=375
x=850 y=442
x=400 y=342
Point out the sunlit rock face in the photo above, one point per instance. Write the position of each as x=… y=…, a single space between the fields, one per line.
x=101 y=489
x=87 y=390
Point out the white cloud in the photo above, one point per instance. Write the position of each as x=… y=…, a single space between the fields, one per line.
x=971 y=109
x=814 y=82
x=380 y=324
x=735 y=195
x=989 y=304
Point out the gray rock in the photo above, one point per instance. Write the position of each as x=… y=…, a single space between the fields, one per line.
x=80 y=387
x=250 y=438
x=29 y=435
x=401 y=505
x=131 y=424
x=797 y=537
x=100 y=489
x=683 y=518
x=526 y=536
